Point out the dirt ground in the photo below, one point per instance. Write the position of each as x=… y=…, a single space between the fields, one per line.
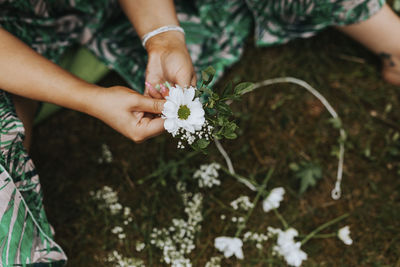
x=280 y=124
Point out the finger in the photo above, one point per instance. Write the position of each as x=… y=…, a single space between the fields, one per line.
x=148 y=104
x=193 y=82
x=153 y=92
x=149 y=128
x=164 y=91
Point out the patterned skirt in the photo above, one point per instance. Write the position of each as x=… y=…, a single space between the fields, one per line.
x=215 y=33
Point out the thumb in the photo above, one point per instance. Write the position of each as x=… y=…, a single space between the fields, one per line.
x=151 y=105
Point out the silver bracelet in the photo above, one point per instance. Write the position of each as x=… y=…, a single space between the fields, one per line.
x=162 y=29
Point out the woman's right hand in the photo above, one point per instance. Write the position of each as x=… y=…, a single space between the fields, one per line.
x=124 y=110
x=169 y=61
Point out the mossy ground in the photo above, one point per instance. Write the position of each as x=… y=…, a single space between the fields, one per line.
x=279 y=124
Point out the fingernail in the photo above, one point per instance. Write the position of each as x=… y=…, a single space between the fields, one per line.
x=158 y=87
x=149 y=86
x=163 y=89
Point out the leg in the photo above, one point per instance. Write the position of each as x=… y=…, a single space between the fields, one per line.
x=381 y=34
x=26 y=109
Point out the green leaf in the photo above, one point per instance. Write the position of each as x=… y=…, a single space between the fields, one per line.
x=336 y=123
x=202 y=143
x=308 y=173
x=207 y=75
x=224 y=109
x=242 y=88
x=227 y=90
x=230 y=135
x=211 y=111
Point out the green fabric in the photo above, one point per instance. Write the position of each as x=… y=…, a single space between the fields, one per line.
x=216 y=31
x=82 y=63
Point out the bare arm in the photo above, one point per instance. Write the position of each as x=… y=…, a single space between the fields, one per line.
x=26 y=73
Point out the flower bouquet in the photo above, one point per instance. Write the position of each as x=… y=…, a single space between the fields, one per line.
x=197 y=115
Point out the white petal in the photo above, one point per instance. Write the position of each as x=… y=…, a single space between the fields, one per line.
x=175 y=95
x=170 y=125
x=188 y=95
x=170 y=109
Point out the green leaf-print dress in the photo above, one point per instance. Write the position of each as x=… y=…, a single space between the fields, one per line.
x=215 y=34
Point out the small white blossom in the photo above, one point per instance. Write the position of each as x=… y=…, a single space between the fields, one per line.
x=106 y=155
x=122 y=261
x=208 y=175
x=117 y=230
x=344 y=235
x=287 y=247
x=256 y=238
x=214 y=262
x=181 y=110
x=243 y=202
x=229 y=246
x=140 y=246
x=177 y=240
x=274 y=199
x=109 y=199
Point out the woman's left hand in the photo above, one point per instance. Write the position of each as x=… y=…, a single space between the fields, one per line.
x=169 y=61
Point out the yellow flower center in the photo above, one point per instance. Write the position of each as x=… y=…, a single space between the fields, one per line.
x=183 y=112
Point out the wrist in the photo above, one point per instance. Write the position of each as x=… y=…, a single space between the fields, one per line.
x=165 y=40
x=88 y=99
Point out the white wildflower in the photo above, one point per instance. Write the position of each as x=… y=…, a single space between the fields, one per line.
x=115 y=208
x=181 y=110
x=208 y=175
x=257 y=238
x=177 y=240
x=344 y=235
x=140 y=246
x=106 y=155
x=243 y=202
x=274 y=198
x=122 y=261
x=287 y=247
x=229 y=246
x=214 y=262
x=108 y=198
x=117 y=230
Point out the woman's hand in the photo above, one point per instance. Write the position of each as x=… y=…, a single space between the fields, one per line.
x=169 y=61
x=124 y=110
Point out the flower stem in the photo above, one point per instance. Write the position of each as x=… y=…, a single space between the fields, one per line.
x=280 y=217
x=325 y=235
x=259 y=193
x=322 y=227
x=241 y=179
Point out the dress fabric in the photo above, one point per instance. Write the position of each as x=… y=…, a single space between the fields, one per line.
x=216 y=31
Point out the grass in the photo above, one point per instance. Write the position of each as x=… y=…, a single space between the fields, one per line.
x=279 y=125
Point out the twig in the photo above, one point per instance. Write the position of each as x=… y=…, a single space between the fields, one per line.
x=352 y=58
x=336 y=192
x=240 y=179
x=225 y=155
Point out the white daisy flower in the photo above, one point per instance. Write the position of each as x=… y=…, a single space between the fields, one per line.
x=274 y=198
x=344 y=235
x=181 y=110
x=229 y=246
